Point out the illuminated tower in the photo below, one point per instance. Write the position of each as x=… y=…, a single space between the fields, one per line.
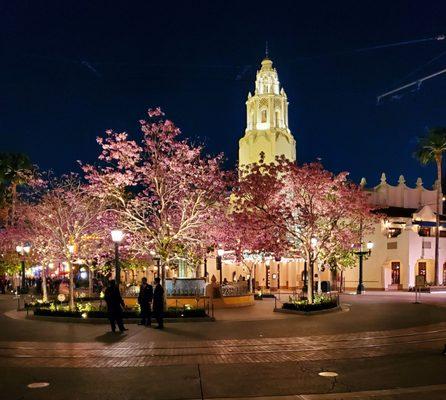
x=267 y=120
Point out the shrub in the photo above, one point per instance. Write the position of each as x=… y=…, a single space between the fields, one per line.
x=321 y=302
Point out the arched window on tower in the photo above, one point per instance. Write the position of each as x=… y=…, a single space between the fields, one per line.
x=277 y=117
x=263 y=115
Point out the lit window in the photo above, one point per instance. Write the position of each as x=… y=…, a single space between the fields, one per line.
x=393 y=232
x=424 y=231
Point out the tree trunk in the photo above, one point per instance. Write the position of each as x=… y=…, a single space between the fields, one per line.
x=163 y=283
x=437 y=230
x=90 y=282
x=310 y=284
x=44 y=288
x=70 y=264
x=13 y=204
x=163 y=275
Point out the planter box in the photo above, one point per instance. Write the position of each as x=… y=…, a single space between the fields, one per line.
x=307 y=313
x=233 y=301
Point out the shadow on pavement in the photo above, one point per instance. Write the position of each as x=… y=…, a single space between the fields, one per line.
x=184 y=333
x=110 y=337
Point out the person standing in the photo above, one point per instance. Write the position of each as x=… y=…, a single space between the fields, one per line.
x=145 y=298
x=115 y=304
x=158 y=303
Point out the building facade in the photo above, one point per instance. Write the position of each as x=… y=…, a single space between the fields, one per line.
x=404 y=238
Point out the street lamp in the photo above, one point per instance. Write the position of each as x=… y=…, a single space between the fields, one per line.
x=70 y=248
x=117 y=237
x=220 y=253
x=361 y=253
x=23 y=250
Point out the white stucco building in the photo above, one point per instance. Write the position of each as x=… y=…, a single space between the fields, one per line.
x=404 y=239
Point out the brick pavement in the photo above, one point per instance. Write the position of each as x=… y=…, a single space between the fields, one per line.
x=259 y=350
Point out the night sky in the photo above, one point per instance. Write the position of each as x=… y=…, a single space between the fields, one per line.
x=70 y=70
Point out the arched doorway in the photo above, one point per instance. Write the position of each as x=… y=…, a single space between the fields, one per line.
x=395 y=273
x=422 y=268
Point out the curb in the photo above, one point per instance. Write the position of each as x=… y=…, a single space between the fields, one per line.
x=100 y=321
x=309 y=313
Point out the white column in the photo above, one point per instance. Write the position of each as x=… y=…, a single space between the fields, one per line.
x=283 y=274
x=292 y=275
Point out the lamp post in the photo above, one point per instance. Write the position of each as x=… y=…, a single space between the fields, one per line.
x=361 y=253
x=220 y=253
x=158 y=263
x=117 y=237
x=22 y=250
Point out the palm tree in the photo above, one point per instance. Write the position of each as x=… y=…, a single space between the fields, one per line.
x=431 y=149
x=15 y=170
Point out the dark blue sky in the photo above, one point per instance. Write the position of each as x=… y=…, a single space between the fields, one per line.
x=70 y=70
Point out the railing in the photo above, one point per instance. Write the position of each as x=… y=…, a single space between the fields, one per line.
x=185 y=287
x=130 y=291
x=208 y=306
x=234 y=289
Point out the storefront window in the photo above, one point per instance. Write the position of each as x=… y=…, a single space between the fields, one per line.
x=393 y=232
x=424 y=231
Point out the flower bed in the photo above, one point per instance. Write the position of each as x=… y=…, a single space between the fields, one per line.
x=170 y=313
x=97 y=310
x=320 y=303
x=34 y=304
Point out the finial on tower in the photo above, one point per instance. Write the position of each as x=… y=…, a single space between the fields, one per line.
x=266 y=50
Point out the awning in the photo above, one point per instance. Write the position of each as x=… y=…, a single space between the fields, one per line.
x=428 y=223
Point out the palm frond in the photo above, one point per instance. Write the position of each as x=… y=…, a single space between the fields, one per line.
x=431 y=146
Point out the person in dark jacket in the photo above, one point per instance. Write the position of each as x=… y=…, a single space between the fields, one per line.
x=145 y=298
x=158 y=303
x=115 y=304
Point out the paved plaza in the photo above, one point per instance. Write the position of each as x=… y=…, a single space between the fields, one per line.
x=381 y=346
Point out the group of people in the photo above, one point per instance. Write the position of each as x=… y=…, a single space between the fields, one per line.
x=8 y=285
x=149 y=299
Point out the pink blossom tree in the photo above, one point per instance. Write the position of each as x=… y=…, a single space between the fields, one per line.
x=63 y=219
x=10 y=237
x=247 y=241
x=164 y=190
x=301 y=210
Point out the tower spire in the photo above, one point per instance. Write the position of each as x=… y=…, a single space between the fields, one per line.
x=266 y=50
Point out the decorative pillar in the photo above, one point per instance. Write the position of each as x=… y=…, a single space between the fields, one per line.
x=292 y=275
